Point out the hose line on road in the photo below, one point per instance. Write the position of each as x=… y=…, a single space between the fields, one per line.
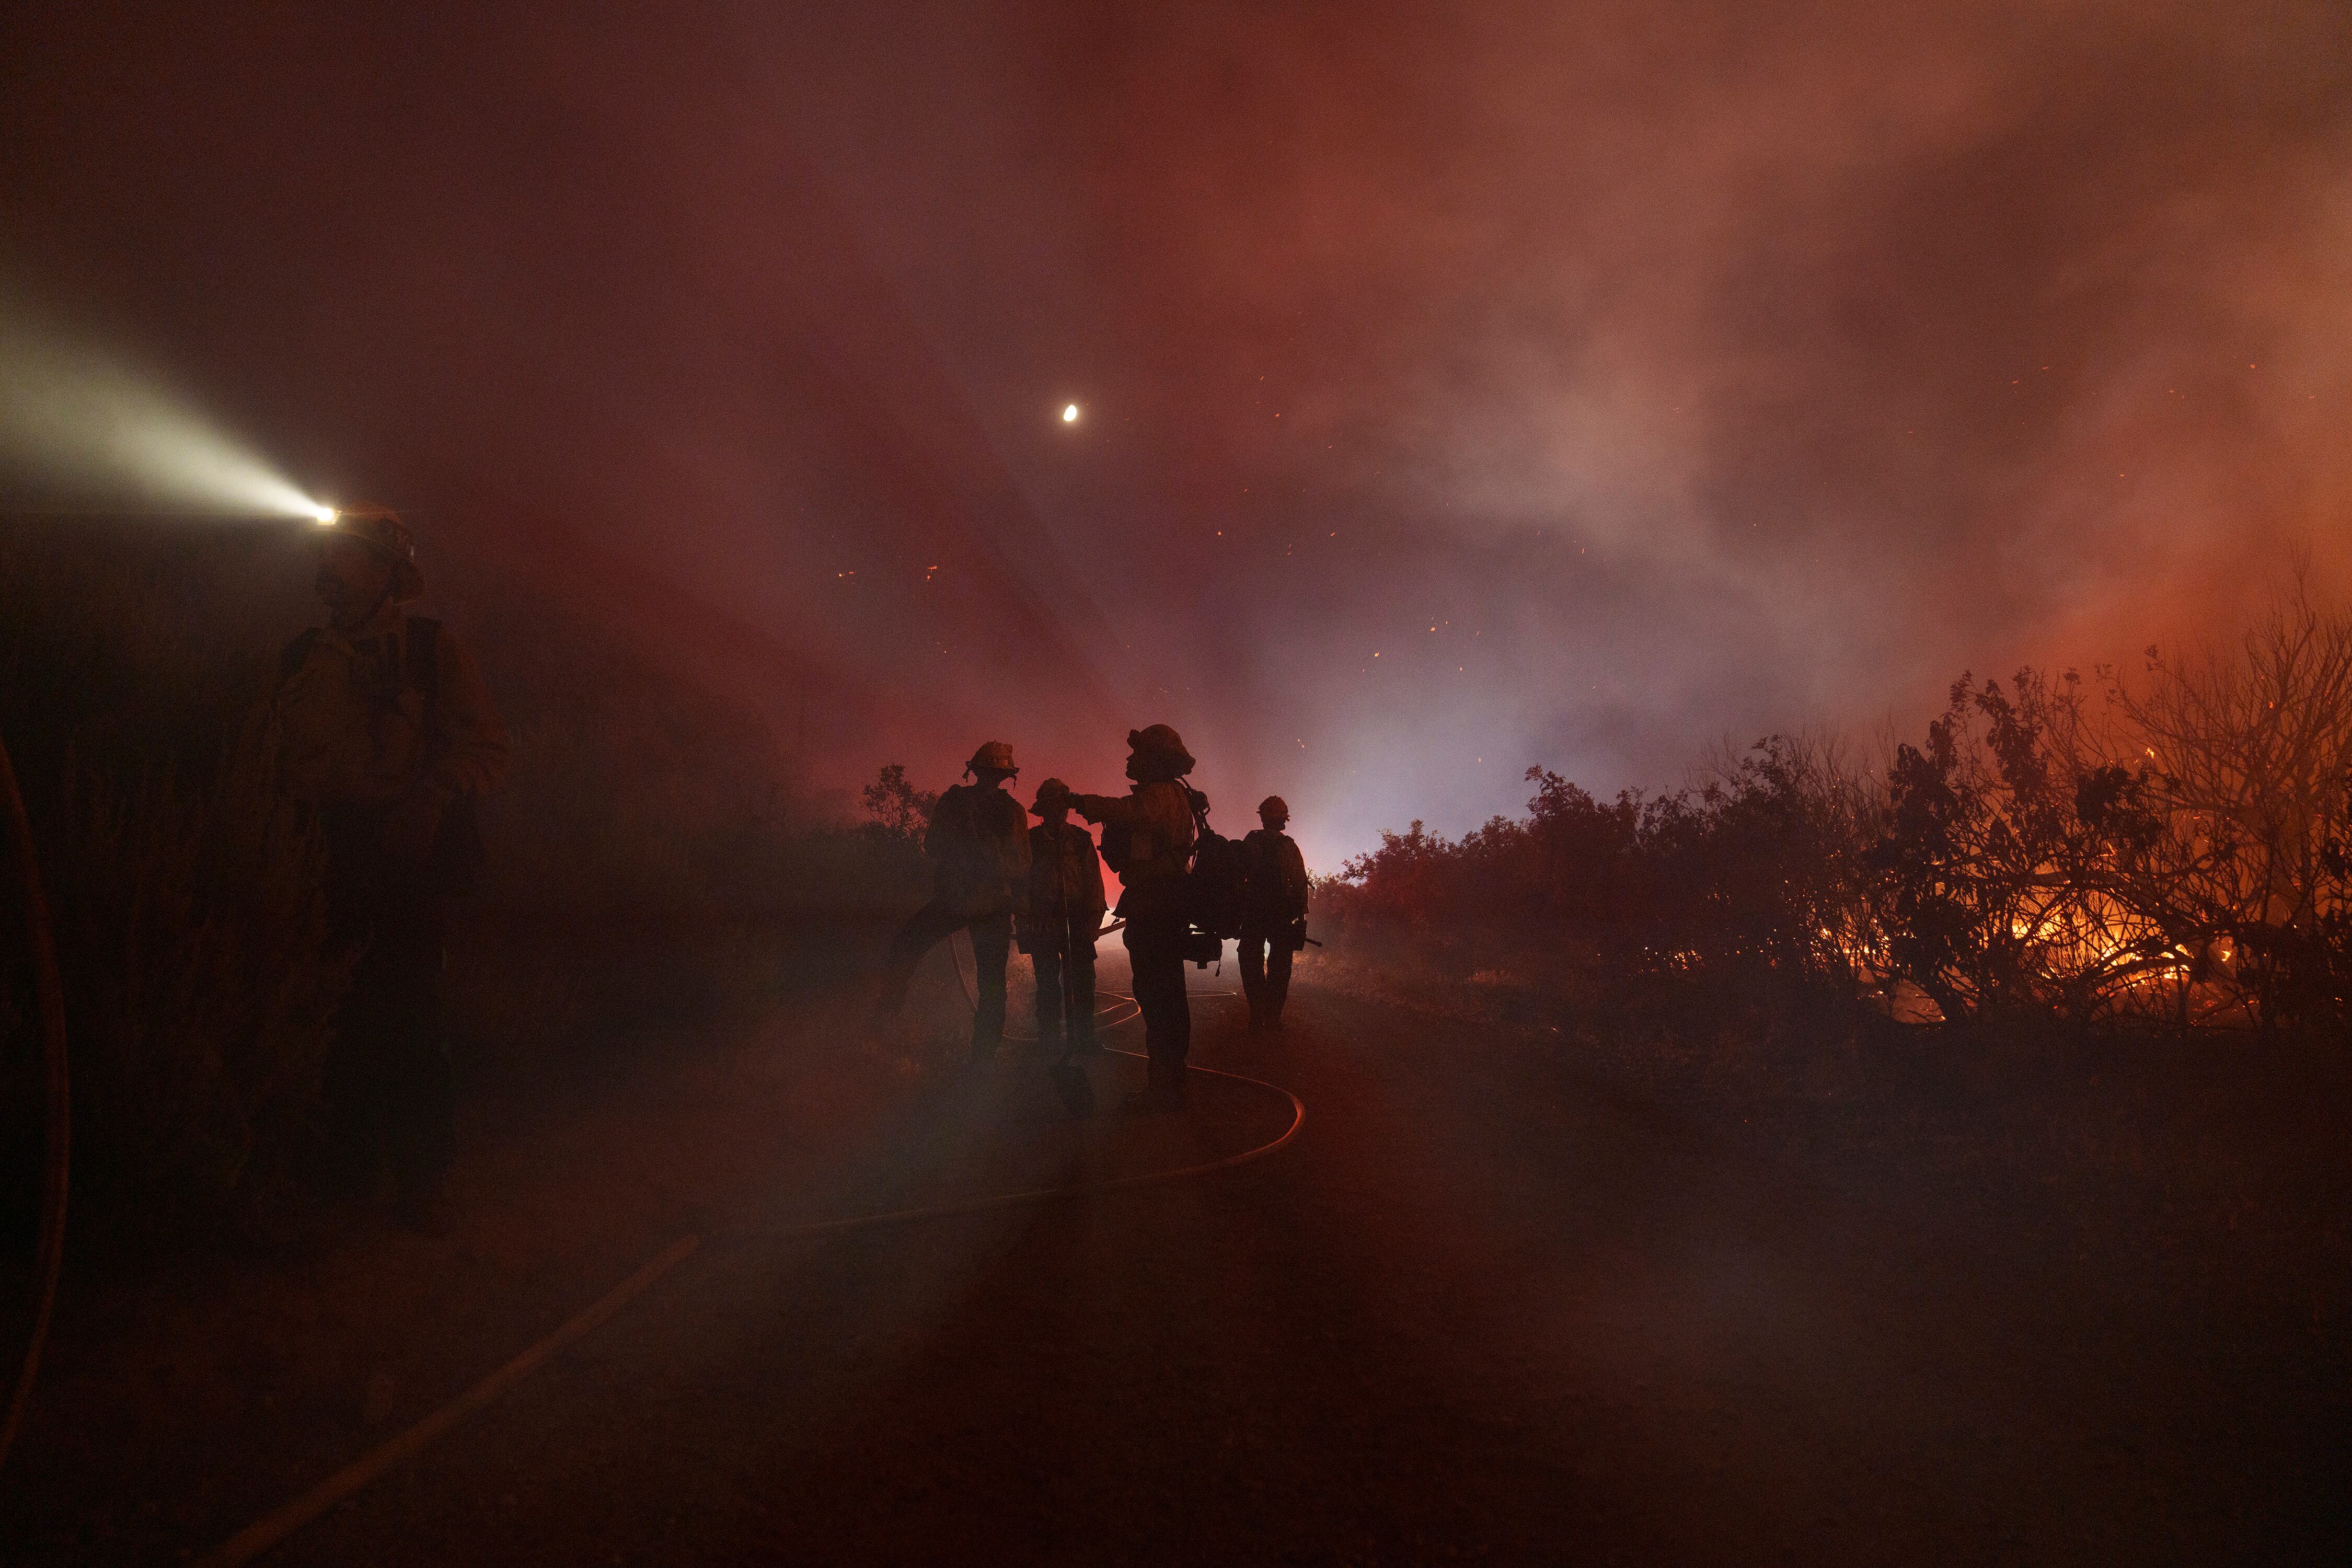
x=266 y=1533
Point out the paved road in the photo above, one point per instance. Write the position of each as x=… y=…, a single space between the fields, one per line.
x=1483 y=1308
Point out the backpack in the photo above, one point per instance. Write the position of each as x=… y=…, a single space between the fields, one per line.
x=1212 y=888
x=459 y=859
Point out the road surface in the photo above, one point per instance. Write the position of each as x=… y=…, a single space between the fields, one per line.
x=1487 y=1307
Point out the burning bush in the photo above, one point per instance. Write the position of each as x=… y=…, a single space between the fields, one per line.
x=2247 y=758
x=2016 y=859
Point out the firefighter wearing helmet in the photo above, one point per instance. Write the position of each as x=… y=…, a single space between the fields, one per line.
x=1147 y=837
x=978 y=845
x=1060 y=926
x=387 y=730
x=1274 y=913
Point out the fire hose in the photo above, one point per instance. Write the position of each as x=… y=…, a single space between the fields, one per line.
x=266 y=1533
x=49 y=1000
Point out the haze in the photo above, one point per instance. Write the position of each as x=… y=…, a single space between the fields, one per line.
x=1464 y=387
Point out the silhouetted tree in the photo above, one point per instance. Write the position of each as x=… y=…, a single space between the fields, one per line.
x=2247 y=753
x=1758 y=874
x=899 y=810
x=1772 y=859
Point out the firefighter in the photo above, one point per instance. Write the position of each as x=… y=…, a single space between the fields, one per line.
x=1148 y=836
x=1063 y=920
x=1274 y=913
x=978 y=845
x=388 y=732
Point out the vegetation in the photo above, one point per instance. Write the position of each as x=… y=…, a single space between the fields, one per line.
x=900 y=814
x=2169 y=848
x=2172 y=850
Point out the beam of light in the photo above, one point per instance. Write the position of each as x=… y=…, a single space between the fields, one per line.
x=83 y=423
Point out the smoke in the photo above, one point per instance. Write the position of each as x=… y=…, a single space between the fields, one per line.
x=1647 y=375
x=79 y=426
x=1464 y=387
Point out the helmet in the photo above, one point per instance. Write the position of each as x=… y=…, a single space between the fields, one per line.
x=380 y=528
x=997 y=756
x=1052 y=796
x=1274 y=806
x=1159 y=750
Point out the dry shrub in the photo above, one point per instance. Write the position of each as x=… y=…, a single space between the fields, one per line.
x=1754 y=879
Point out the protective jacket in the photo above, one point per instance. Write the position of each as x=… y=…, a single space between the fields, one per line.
x=1273 y=879
x=979 y=848
x=1064 y=873
x=370 y=719
x=1148 y=837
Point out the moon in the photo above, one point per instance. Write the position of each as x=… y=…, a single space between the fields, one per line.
x=1070 y=415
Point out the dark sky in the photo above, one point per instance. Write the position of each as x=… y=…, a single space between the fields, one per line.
x=1464 y=386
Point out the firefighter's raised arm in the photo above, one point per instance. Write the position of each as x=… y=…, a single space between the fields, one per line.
x=1099 y=808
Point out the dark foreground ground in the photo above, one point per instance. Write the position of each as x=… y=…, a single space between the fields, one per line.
x=1492 y=1304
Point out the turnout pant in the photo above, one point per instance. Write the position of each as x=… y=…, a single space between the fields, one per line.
x=1075 y=979
x=1265 y=955
x=1155 y=949
x=391 y=1097
x=991 y=940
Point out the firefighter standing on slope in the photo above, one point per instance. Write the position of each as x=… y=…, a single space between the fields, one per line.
x=979 y=848
x=1063 y=920
x=388 y=731
x=1274 y=913
x=1148 y=836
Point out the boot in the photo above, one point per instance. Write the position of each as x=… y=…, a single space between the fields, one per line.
x=1163 y=1095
